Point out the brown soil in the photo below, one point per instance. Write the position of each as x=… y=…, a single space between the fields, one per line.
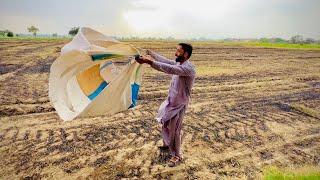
x=243 y=116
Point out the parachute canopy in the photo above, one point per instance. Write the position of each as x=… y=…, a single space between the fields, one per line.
x=84 y=80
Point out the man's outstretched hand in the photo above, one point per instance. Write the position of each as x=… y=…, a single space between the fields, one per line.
x=149 y=52
x=145 y=59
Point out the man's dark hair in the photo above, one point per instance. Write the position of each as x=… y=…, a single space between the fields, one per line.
x=187 y=48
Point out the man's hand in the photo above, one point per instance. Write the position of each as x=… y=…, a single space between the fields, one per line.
x=148 y=52
x=145 y=59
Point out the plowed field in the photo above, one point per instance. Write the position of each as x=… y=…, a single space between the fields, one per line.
x=250 y=108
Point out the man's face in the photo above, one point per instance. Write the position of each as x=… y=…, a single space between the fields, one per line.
x=179 y=51
x=179 y=54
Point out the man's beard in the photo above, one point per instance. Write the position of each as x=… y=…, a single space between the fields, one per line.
x=179 y=59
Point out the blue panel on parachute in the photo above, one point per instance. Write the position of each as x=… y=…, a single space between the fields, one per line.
x=98 y=90
x=134 y=94
x=96 y=57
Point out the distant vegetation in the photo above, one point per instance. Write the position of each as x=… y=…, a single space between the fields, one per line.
x=286 y=45
x=10 y=34
x=6 y=33
x=73 y=31
x=295 y=42
x=33 y=30
x=298 y=39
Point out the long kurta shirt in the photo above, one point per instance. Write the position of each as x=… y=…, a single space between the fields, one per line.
x=183 y=76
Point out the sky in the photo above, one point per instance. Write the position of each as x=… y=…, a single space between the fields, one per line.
x=214 y=19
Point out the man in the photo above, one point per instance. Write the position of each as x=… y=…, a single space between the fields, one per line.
x=172 y=110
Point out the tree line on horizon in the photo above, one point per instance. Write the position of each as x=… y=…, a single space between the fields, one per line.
x=34 y=30
x=297 y=39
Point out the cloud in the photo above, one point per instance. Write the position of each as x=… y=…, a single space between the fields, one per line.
x=220 y=19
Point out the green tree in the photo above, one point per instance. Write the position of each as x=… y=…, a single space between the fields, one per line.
x=3 y=33
x=73 y=31
x=298 y=39
x=54 y=35
x=265 y=40
x=279 y=40
x=33 y=30
x=10 y=34
x=7 y=33
x=310 y=41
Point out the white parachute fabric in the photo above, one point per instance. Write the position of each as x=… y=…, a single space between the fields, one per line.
x=85 y=82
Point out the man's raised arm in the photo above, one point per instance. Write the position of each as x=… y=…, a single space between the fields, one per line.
x=173 y=69
x=160 y=58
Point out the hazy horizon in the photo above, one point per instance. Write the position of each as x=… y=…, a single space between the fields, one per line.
x=186 y=19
